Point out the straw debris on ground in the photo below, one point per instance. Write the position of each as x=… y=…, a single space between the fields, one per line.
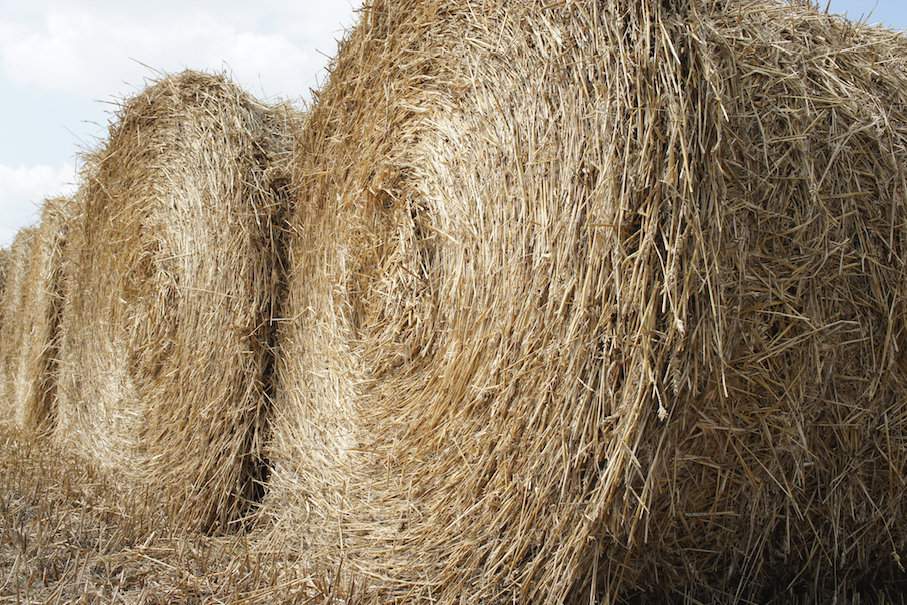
x=66 y=536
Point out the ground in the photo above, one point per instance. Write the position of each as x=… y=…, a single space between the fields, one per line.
x=68 y=535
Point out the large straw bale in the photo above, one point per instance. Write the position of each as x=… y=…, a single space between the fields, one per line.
x=167 y=350
x=11 y=310
x=590 y=300
x=4 y=262
x=35 y=377
x=4 y=275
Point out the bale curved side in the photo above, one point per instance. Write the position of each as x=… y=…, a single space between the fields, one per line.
x=595 y=302
x=4 y=264
x=168 y=333
x=4 y=275
x=14 y=287
x=34 y=384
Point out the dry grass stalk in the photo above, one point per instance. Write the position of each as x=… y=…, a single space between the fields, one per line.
x=174 y=272
x=595 y=300
x=35 y=379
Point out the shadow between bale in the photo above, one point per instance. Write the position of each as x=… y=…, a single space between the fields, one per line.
x=175 y=284
x=598 y=300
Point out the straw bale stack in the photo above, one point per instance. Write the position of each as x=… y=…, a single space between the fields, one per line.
x=595 y=301
x=174 y=273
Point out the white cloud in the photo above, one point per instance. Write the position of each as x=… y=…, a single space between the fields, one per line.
x=96 y=50
x=68 y=54
x=23 y=188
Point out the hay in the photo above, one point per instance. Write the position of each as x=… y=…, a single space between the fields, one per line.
x=174 y=271
x=16 y=268
x=4 y=274
x=599 y=300
x=35 y=377
x=4 y=263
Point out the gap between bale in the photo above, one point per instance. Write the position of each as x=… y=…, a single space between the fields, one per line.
x=176 y=279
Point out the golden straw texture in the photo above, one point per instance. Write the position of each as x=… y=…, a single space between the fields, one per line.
x=598 y=301
x=174 y=273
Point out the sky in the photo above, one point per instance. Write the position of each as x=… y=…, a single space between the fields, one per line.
x=64 y=65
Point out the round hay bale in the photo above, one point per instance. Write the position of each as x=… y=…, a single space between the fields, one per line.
x=4 y=262
x=14 y=284
x=35 y=377
x=175 y=273
x=4 y=273
x=595 y=301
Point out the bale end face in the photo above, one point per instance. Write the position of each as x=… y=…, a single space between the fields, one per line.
x=176 y=281
x=631 y=278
